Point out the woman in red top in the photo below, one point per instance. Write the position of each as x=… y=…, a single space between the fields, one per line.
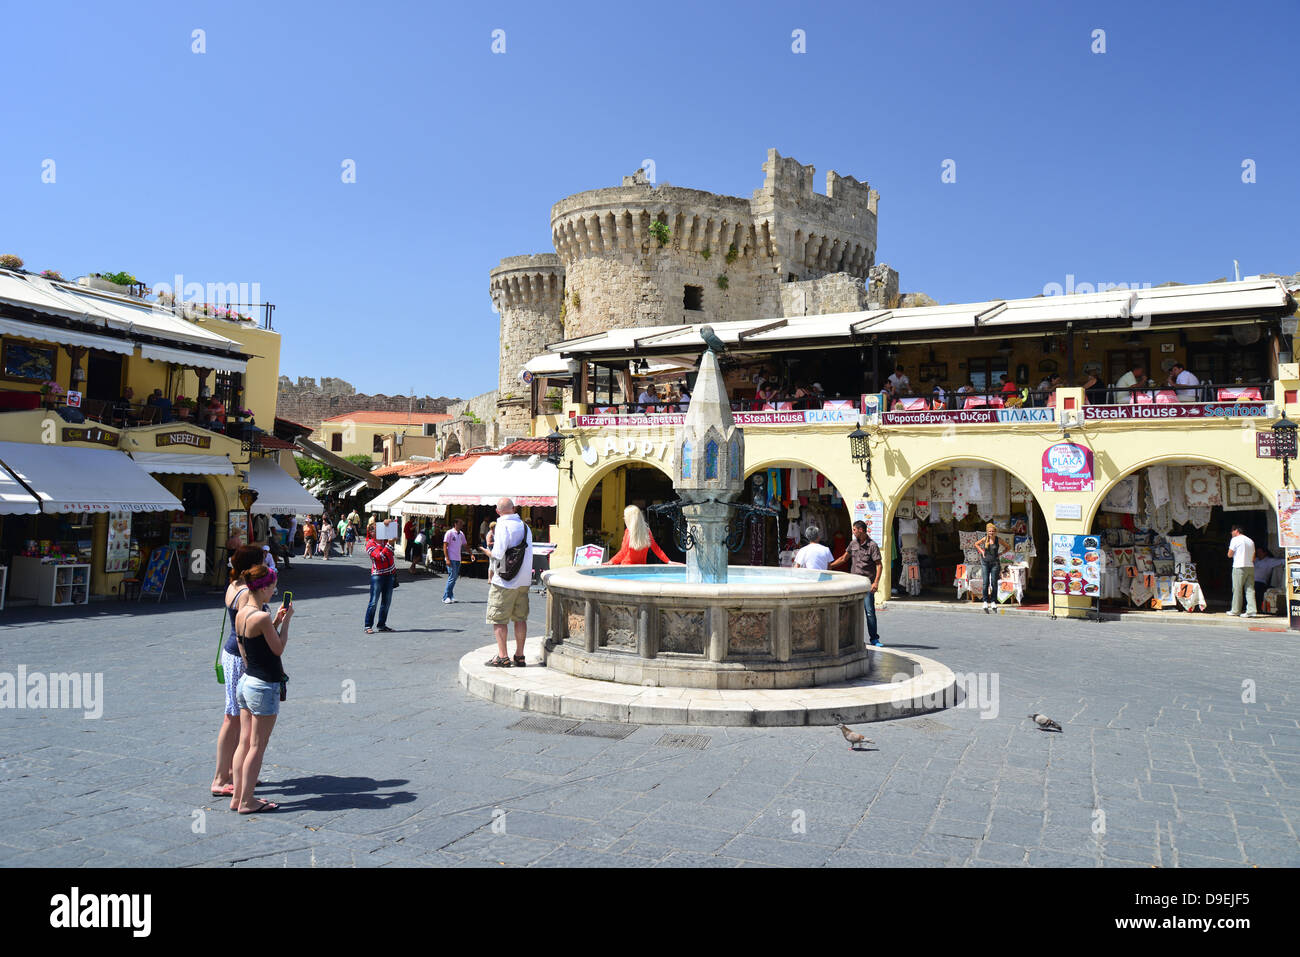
x=637 y=541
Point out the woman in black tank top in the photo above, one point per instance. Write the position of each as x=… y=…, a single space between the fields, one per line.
x=262 y=639
x=242 y=559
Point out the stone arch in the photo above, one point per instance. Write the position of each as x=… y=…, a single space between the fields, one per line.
x=949 y=461
x=1166 y=458
x=451 y=446
x=597 y=475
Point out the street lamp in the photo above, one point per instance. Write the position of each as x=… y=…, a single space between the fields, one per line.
x=860 y=450
x=555 y=449
x=1284 y=445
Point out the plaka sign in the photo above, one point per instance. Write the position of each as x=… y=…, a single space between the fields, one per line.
x=1067 y=467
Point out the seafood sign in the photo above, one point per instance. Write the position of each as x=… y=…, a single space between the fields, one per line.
x=1067 y=467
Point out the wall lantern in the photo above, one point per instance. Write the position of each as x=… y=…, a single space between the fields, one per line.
x=1284 y=445
x=860 y=450
x=555 y=449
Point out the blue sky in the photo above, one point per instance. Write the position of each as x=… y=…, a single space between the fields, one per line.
x=1123 y=166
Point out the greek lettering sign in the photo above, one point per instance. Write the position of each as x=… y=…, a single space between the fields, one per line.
x=165 y=439
x=968 y=416
x=1067 y=467
x=785 y=417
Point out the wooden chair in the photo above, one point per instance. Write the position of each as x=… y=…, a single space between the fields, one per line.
x=96 y=409
x=149 y=415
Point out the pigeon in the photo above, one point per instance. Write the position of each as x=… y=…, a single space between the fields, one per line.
x=853 y=737
x=716 y=345
x=1044 y=722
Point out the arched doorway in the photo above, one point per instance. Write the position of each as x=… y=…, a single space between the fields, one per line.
x=1163 y=530
x=802 y=496
x=937 y=519
x=451 y=446
x=629 y=483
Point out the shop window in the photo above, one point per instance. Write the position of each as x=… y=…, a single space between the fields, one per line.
x=986 y=374
x=693 y=298
x=378 y=444
x=336 y=442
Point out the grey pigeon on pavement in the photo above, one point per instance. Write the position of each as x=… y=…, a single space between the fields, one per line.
x=853 y=738
x=1045 y=723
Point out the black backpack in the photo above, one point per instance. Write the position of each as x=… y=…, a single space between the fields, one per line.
x=514 y=557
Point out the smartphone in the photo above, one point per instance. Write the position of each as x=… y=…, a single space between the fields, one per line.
x=288 y=599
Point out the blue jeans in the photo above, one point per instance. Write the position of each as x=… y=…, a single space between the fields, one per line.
x=870 y=603
x=381 y=593
x=992 y=573
x=453 y=576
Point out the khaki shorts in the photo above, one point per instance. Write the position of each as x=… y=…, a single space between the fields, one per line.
x=507 y=604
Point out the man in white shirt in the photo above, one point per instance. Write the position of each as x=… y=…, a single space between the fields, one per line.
x=1242 y=552
x=646 y=398
x=508 y=597
x=1178 y=375
x=813 y=555
x=902 y=384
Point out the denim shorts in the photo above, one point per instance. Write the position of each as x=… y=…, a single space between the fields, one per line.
x=258 y=697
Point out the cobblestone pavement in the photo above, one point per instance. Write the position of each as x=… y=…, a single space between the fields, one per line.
x=1161 y=761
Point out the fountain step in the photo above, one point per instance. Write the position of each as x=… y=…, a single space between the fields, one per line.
x=546 y=691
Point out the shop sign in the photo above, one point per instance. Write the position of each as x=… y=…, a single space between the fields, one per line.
x=786 y=417
x=1069 y=510
x=589 y=554
x=969 y=416
x=629 y=445
x=1067 y=467
x=165 y=439
x=1179 y=410
x=1265 y=445
x=90 y=434
x=873 y=513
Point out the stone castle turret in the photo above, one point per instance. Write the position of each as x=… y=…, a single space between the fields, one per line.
x=528 y=292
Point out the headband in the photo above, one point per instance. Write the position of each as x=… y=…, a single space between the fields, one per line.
x=268 y=579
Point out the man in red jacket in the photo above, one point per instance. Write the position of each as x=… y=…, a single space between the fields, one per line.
x=382 y=568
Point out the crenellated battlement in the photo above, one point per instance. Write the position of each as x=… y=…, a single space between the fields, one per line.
x=536 y=280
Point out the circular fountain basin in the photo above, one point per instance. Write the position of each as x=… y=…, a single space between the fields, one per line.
x=763 y=628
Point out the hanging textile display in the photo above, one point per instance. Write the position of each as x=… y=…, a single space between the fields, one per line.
x=1177 y=494
x=945 y=512
x=985 y=497
x=1239 y=494
x=905 y=506
x=941 y=485
x=1203 y=486
x=1158 y=482
x=1123 y=497
x=1199 y=515
x=960 y=509
x=1019 y=491
x=921 y=497
x=1001 y=493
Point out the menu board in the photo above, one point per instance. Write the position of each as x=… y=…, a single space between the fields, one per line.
x=238 y=525
x=117 y=556
x=1076 y=565
x=1288 y=518
x=873 y=513
x=154 y=581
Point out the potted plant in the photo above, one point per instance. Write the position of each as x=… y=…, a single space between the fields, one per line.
x=183 y=406
x=51 y=392
x=52 y=274
x=10 y=261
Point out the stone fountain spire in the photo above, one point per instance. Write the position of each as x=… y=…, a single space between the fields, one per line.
x=710 y=469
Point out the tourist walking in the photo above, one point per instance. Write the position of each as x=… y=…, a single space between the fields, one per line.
x=813 y=555
x=511 y=574
x=863 y=558
x=327 y=535
x=991 y=559
x=349 y=538
x=309 y=537
x=452 y=543
x=383 y=571
x=242 y=559
x=638 y=541
x=1241 y=550
x=262 y=639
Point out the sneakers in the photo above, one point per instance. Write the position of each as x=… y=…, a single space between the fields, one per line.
x=384 y=628
x=1250 y=614
x=1234 y=614
x=446 y=601
x=876 y=643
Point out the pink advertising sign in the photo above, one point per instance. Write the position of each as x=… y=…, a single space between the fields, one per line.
x=1067 y=467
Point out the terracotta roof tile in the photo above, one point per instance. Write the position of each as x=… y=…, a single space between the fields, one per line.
x=526 y=447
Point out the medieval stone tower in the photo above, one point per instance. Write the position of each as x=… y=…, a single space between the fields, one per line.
x=646 y=255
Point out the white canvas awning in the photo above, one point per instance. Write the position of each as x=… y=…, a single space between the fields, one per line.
x=278 y=492
x=14 y=499
x=527 y=481
x=419 y=501
x=353 y=490
x=65 y=337
x=179 y=463
x=200 y=360
x=388 y=499
x=68 y=479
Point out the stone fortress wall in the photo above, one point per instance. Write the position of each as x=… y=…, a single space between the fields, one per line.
x=785 y=251
x=308 y=403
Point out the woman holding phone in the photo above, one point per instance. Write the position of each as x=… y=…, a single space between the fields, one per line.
x=242 y=559
x=262 y=639
x=990 y=556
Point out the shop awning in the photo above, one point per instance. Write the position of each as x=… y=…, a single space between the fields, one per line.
x=278 y=492
x=336 y=462
x=183 y=357
x=14 y=499
x=420 y=500
x=65 y=337
x=179 y=463
x=69 y=479
x=353 y=490
x=528 y=481
x=388 y=499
